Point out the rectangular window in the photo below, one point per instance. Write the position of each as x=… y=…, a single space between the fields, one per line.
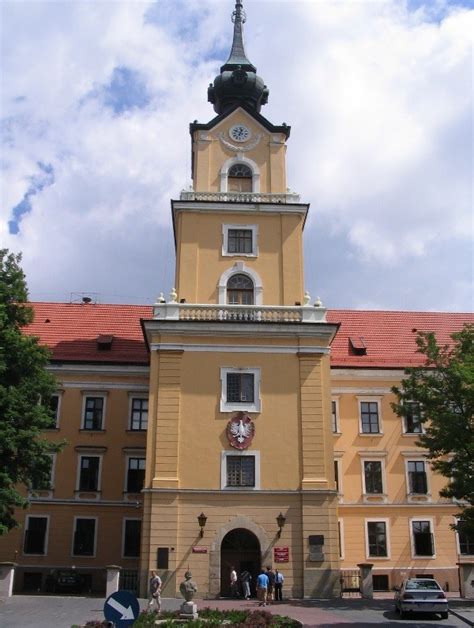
x=139 y=414
x=422 y=538
x=54 y=405
x=135 y=474
x=334 y=417
x=417 y=480
x=373 y=476
x=89 y=473
x=240 y=470
x=35 y=535
x=240 y=241
x=240 y=387
x=162 y=558
x=466 y=541
x=84 y=537
x=93 y=413
x=377 y=539
x=47 y=484
x=340 y=535
x=369 y=413
x=132 y=538
x=336 y=475
x=380 y=582
x=413 y=423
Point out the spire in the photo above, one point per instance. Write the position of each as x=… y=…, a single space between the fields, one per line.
x=237 y=54
x=238 y=82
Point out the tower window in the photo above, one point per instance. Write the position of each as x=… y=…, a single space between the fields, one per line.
x=240 y=241
x=240 y=290
x=239 y=178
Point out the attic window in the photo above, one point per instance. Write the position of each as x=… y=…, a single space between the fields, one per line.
x=358 y=345
x=104 y=343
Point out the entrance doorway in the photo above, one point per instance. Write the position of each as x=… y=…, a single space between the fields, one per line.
x=240 y=548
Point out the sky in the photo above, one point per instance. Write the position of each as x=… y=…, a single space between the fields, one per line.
x=96 y=101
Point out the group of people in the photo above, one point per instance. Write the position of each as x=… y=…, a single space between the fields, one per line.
x=269 y=585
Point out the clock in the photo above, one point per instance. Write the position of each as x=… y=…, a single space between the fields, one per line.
x=239 y=133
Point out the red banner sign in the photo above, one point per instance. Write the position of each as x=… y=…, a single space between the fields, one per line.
x=281 y=554
x=199 y=550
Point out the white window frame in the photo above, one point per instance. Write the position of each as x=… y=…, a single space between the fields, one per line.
x=93 y=393
x=127 y=461
x=96 y=526
x=225 y=240
x=240 y=268
x=239 y=159
x=124 y=525
x=338 y=462
x=78 y=475
x=236 y=452
x=46 y=534
x=131 y=397
x=370 y=399
x=412 y=538
x=59 y=395
x=417 y=496
x=365 y=459
x=338 y=418
x=340 y=523
x=404 y=427
x=458 y=544
x=256 y=405
x=387 y=532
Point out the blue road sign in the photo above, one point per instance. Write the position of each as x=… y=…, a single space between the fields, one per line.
x=121 y=608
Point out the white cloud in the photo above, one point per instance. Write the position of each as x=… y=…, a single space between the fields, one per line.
x=378 y=98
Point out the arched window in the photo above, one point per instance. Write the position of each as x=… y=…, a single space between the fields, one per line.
x=240 y=290
x=239 y=178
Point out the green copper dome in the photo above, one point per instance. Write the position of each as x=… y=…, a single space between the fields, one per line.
x=238 y=82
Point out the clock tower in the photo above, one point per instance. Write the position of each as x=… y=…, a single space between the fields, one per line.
x=240 y=466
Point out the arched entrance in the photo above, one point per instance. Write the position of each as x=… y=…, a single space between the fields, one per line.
x=239 y=548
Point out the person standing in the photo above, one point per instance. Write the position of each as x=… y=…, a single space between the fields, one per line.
x=271 y=584
x=246 y=579
x=262 y=588
x=279 y=580
x=234 y=587
x=154 y=591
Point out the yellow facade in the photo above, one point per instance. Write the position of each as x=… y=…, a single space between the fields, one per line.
x=239 y=340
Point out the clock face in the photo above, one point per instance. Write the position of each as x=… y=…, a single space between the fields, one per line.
x=239 y=133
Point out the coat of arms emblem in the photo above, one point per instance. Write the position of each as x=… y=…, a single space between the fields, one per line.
x=240 y=430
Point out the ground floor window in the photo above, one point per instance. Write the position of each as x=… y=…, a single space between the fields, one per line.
x=35 y=535
x=132 y=538
x=84 y=537
x=466 y=541
x=423 y=543
x=377 y=538
x=380 y=582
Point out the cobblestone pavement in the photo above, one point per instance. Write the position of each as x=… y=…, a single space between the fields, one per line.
x=23 y=611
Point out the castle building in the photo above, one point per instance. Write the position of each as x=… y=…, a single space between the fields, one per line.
x=236 y=423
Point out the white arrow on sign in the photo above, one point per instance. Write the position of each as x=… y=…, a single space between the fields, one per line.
x=127 y=613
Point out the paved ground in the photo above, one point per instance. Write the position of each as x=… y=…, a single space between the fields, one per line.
x=62 y=612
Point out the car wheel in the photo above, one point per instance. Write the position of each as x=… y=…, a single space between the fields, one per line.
x=444 y=615
x=402 y=614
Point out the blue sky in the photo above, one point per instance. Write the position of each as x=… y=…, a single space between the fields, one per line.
x=96 y=103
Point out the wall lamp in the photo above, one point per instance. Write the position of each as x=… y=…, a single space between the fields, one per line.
x=202 y=523
x=281 y=520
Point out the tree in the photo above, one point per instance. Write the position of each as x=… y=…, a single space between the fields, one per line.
x=25 y=396
x=442 y=392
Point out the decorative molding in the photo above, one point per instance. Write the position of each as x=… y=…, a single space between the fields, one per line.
x=239 y=148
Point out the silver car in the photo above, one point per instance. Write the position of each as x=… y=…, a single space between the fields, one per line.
x=421 y=595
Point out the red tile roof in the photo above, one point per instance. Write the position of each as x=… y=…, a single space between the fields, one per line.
x=70 y=330
x=389 y=336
